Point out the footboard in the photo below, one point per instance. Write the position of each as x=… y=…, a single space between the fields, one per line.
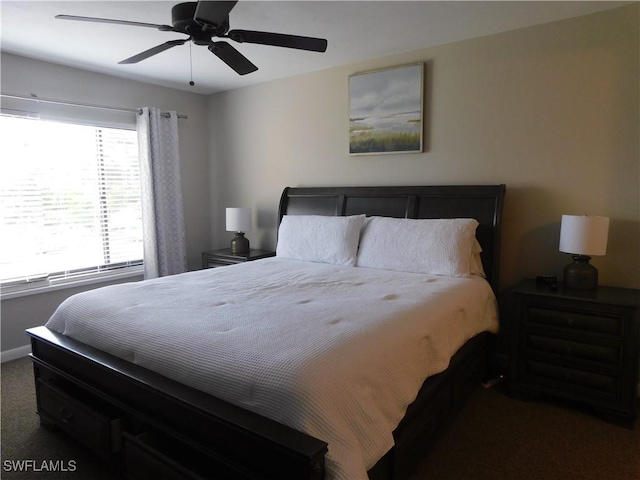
x=138 y=420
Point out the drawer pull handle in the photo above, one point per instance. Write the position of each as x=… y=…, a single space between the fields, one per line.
x=65 y=416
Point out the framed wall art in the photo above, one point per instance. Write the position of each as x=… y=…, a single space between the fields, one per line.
x=385 y=111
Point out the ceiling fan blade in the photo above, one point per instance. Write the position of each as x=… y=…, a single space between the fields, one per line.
x=232 y=57
x=213 y=13
x=279 y=40
x=153 y=51
x=162 y=28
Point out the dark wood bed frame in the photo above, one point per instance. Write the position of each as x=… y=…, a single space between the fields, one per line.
x=148 y=426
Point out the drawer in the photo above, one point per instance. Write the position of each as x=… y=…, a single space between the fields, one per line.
x=96 y=428
x=570 y=376
x=154 y=455
x=467 y=380
x=219 y=263
x=597 y=323
x=147 y=458
x=609 y=355
x=421 y=433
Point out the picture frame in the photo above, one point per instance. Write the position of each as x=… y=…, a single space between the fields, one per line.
x=386 y=111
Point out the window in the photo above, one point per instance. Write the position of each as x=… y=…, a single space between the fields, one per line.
x=69 y=200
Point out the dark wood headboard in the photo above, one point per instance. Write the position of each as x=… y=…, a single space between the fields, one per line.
x=482 y=202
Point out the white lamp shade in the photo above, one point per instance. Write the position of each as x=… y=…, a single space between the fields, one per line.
x=584 y=234
x=238 y=219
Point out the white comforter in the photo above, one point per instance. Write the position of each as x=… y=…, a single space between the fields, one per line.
x=336 y=352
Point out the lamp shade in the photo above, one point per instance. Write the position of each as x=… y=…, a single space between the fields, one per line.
x=238 y=219
x=584 y=234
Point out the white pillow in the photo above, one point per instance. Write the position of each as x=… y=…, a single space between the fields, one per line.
x=319 y=238
x=476 y=260
x=433 y=246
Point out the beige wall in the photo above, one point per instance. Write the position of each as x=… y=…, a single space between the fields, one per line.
x=552 y=111
x=25 y=76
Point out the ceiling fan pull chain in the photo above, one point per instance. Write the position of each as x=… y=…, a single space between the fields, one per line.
x=192 y=83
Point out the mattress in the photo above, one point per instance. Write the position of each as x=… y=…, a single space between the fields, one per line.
x=336 y=352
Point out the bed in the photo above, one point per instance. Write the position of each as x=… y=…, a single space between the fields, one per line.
x=135 y=406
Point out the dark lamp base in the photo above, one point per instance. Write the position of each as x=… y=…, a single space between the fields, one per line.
x=580 y=274
x=239 y=244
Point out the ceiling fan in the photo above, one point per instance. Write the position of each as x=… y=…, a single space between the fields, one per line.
x=203 y=21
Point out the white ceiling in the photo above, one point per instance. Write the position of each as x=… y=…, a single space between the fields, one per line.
x=355 y=30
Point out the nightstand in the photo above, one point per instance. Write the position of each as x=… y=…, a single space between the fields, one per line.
x=224 y=257
x=577 y=345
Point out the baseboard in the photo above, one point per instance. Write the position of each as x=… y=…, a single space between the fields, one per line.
x=15 y=353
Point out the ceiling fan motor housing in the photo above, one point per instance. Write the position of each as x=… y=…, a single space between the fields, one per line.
x=182 y=19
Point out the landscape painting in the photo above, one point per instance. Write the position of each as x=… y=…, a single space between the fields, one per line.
x=385 y=111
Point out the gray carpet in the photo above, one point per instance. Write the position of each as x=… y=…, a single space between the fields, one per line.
x=24 y=439
x=497 y=438
x=493 y=438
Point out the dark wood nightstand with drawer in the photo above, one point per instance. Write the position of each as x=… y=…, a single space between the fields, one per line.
x=224 y=257
x=578 y=345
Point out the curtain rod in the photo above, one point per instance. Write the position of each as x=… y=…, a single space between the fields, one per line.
x=36 y=98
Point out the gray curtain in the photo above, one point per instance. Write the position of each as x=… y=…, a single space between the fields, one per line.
x=162 y=213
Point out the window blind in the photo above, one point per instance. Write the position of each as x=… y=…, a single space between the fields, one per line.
x=69 y=200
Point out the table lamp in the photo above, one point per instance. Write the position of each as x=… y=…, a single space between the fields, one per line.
x=239 y=221
x=583 y=236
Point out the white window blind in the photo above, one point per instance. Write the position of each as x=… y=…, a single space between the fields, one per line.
x=69 y=200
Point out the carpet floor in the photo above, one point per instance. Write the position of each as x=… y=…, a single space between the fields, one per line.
x=493 y=438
